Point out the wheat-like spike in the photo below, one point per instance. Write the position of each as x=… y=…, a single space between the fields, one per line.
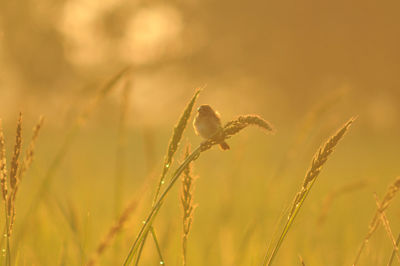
x=14 y=172
x=322 y=155
x=187 y=204
x=235 y=126
x=318 y=161
x=27 y=161
x=383 y=205
x=175 y=140
x=3 y=164
x=30 y=152
x=17 y=152
x=172 y=148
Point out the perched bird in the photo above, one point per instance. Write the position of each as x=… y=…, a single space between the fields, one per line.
x=207 y=124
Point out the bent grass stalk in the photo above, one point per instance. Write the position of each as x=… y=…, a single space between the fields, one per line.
x=318 y=161
x=230 y=129
x=172 y=148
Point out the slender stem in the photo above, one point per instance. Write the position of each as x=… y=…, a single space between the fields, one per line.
x=8 y=250
x=139 y=253
x=153 y=232
x=154 y=211
x=289 y=222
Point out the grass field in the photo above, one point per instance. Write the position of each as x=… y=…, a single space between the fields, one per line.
x=93 y=181
x=100 y=103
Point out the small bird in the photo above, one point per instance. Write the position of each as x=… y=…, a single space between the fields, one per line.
x=207 y=124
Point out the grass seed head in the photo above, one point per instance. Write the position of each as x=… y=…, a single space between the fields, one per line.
x=16 y=154
x=3 y=165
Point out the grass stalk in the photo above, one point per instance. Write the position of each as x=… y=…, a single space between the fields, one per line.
x=153 y=233
x=318 y=161
x=187 y=206
x=375 y=222
x=230 y=129
x=172 y=148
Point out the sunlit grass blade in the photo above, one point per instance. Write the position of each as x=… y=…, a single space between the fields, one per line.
x=318 y=161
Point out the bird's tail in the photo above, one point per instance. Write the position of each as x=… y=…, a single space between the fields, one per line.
x=224 y=146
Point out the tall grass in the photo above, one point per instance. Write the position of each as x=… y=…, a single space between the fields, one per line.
x=318 y=161
x=172 y=148
x=70 y=136
x=230 y=129
x=10 y=186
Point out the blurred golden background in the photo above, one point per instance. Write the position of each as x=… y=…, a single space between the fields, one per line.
x=304 y=66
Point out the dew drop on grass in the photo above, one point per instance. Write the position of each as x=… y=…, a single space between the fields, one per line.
x=162 y=182
x=167 y=165
x=161 y=262
x=144 y=222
